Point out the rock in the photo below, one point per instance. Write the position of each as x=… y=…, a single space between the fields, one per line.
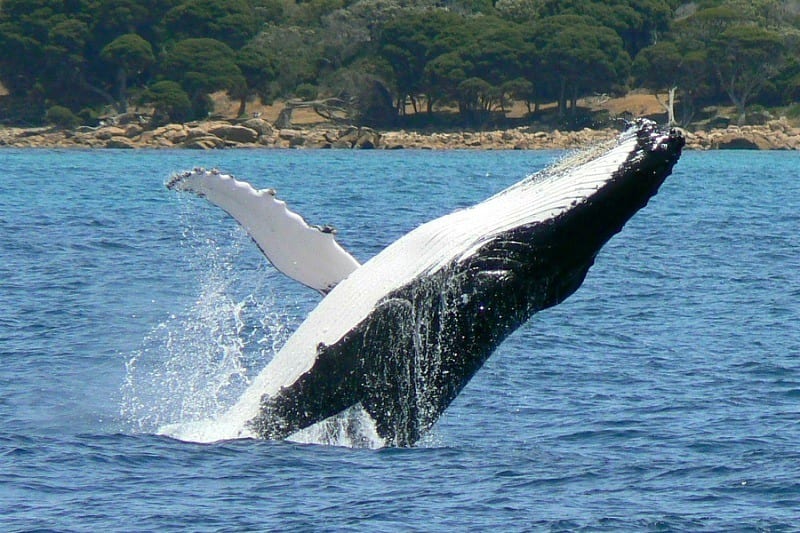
x=296 y=142
x=353 y=137
x=120 y=142
x=367 y=140
x=289 y=134
x=107 y=133
x=734 y=141
x=204 y=142
x=231 y=132
x=133 y=130
x=260 y=125
x=196 y=133
x=348 y=136
x=173 y=133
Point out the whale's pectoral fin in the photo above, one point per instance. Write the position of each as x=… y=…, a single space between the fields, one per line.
x=306 y=253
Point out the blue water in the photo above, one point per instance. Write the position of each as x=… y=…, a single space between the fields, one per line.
x=663 y=395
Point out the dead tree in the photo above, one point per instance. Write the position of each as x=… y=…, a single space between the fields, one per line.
x=333 y=110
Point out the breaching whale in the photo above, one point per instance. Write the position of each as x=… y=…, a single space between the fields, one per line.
x=398 y=337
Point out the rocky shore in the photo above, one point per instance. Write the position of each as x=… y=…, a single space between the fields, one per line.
x=256 y=132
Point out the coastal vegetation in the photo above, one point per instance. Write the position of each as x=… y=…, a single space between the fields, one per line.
x=395 y=63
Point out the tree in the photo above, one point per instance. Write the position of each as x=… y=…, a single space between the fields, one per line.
x=682 y=73
x=232 y=22
x=409 y=44
x=114 y=18
x=296 y=56
x=201 y=67
x=170 y=102
x=65 y=72
x=744 y=58
x=578 y=58
x=479 y=57
x=657 y=68
x=445 y=72
x=131 y=55
x=51 y=49
x=637 y=22
x=698 y=29
x=62 y=117
x=258 y=69
x=521 y=89
x=521 y=11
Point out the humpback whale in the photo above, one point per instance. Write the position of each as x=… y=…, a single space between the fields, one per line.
x=399 y=337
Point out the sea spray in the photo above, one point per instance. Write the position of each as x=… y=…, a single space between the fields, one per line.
x=195 y=364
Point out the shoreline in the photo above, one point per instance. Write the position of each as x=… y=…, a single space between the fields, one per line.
x=258 y=133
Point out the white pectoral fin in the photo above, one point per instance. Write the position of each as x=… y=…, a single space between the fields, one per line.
x=308 y=254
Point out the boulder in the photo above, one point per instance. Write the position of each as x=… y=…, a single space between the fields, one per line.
x=174 y=133
x=296 y=142
x=133 y=130
x=348 y=136
x=107 y=133
x=289 y=134
x=258 y=124
x=204 y=142
x=738 y=141
x=354 y=137
x=120 y=142
x=232 y=132
x=367 y=140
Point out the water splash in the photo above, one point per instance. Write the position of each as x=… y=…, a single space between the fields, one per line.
x=352 y=428
x=197 y=362
x=193 y=366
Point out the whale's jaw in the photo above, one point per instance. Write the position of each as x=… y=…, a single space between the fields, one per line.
x=406 y=331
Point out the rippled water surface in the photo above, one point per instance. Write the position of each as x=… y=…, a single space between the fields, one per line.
x=663 y=395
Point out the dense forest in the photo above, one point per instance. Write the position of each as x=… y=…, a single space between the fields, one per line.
x=392 y=62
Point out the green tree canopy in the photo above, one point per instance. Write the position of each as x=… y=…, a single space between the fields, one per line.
x=579 y=57
x=89 y=54
x=170 y=102
x=232 y=22
x=130 y=54
x=203 y=66
x=258 y=70
x=637 y=22
x=409 y=44
x=744 y=58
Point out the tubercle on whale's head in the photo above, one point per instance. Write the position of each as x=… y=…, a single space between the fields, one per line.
x=653 y=138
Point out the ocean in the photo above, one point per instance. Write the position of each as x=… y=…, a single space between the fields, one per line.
x=663 y=395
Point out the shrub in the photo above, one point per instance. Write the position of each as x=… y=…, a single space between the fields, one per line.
x=306 y=91
x=62 y=117
x=89 y=117
x=793 y=112
x=169 y=101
